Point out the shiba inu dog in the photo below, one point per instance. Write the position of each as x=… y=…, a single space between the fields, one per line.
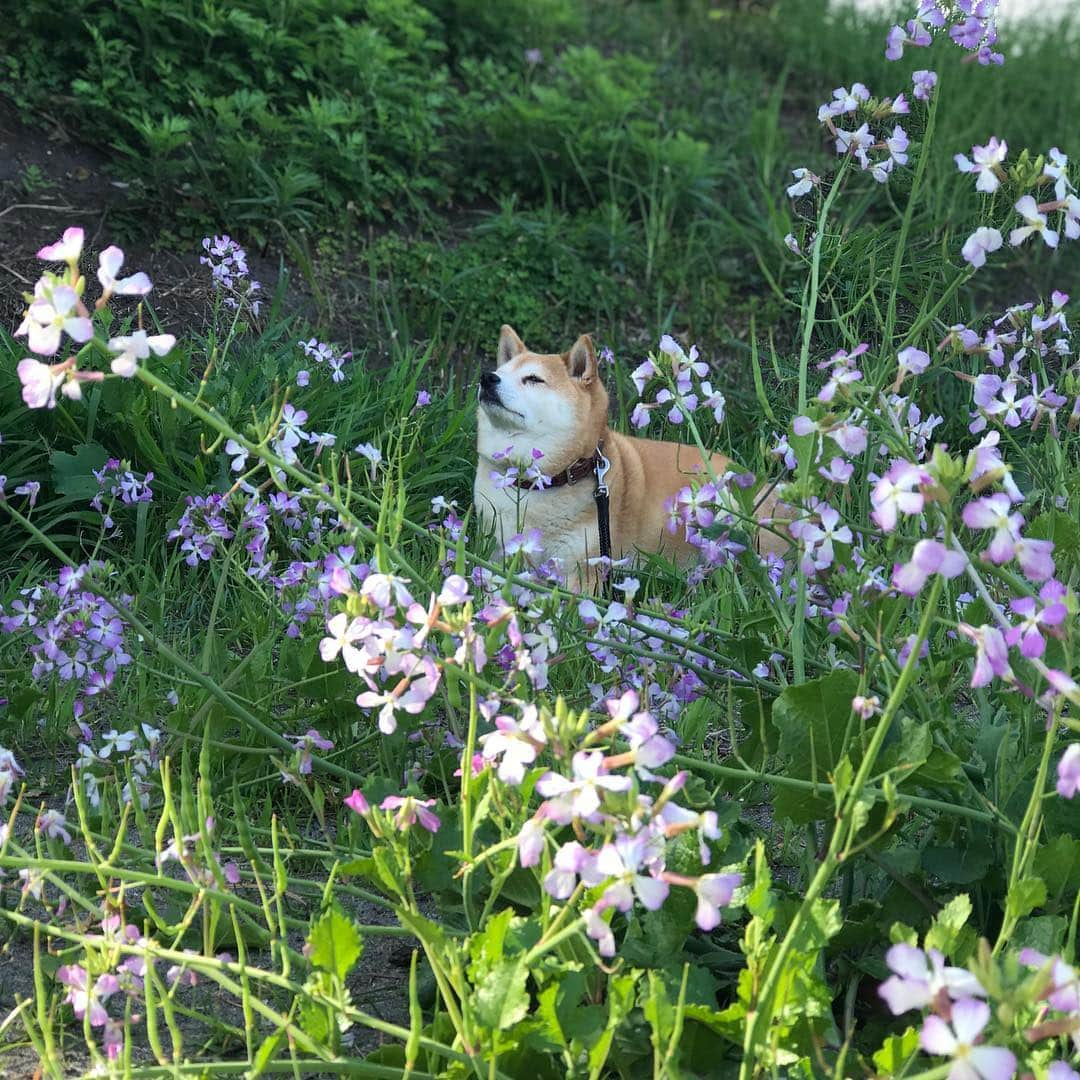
x=552 y=409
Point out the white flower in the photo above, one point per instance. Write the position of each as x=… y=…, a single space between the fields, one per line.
x=1028 y=209
x=136 y=347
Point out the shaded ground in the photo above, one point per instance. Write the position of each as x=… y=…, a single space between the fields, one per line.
x=48 y=181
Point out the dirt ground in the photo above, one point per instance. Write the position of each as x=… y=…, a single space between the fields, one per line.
x=49 y=181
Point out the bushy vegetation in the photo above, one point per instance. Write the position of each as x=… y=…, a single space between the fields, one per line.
x=271 y=697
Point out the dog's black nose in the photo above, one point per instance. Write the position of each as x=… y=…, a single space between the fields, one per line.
x=489 y=380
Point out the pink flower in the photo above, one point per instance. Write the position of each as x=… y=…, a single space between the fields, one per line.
x=624 y=860
x=958 y=1041
x=67 y=249
x=516 y=744
x=40 y=382
x=896 y=493
x=919 y=978
x=1029 y=632
x=995 y=512
x=81 y=999
x=530 y=843
x=109 y=263
x=599 y=931
x=929 y=557
x=357 y=803
x=410 y=811
x=582 y=796
x=1068 y=772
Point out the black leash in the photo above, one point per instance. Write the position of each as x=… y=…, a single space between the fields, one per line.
x=603 y=515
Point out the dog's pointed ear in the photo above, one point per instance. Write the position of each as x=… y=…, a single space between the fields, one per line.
x=510 y=345
x=581 y=360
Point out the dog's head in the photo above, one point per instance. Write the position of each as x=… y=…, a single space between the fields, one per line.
x=552 y=402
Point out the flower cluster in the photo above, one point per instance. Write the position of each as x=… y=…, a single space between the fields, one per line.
x=960 y=1023
x=1054 y=214
x=972 y=26
x=684 y=387
x=596 y=789
x=132 y=753
x=56 y=311
x=865 y=129
x=227 y=261
x=77 y=636
x=117 y=482
x=323 y=353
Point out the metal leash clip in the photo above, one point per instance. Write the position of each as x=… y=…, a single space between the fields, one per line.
x=602 y=467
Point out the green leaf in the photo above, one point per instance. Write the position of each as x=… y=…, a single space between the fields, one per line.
x=73 y=474
x=1025 y=896
x=500 y=999
x=961 y=864
x=1058 y=864
x=896 y=1052
x=944 y=932
x=1045 y=933
x=813 y=720
x=335 y=943
x=1062 y=530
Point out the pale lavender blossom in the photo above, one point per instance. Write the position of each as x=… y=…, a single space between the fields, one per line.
x=958 y=1039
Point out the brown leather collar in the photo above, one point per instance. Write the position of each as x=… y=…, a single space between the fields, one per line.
x=575 y=472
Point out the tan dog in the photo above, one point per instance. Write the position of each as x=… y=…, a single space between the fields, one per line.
x=557 y=404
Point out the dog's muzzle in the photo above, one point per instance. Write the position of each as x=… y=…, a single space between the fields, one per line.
x=488 y=390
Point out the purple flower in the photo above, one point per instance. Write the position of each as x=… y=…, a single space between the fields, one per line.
x=410 y=811
x=912 y=361
x=991 y=654
x=958 y=1041
x=713 y=891
x=422 y=398
x=571 y=862
x=924 y=82
x=929 y=557
x=919 y=979
x=1068 y=772
x=357 y=803
x=1034 y=620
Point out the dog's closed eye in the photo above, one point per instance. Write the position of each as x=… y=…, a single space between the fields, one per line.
x=533 y=379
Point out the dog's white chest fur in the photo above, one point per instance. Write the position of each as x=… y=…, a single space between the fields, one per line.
x=565 y=516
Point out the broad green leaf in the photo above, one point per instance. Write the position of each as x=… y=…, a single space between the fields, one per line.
x=499 y=999
x=335 y=943
x=1058 y=864
x=896 y=1052
x=960 y=865
x=813 y=720
x=1025 y=896
x=73 y=474
x=1045 y=933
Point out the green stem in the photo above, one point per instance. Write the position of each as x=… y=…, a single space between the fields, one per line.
x=760 y=1016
